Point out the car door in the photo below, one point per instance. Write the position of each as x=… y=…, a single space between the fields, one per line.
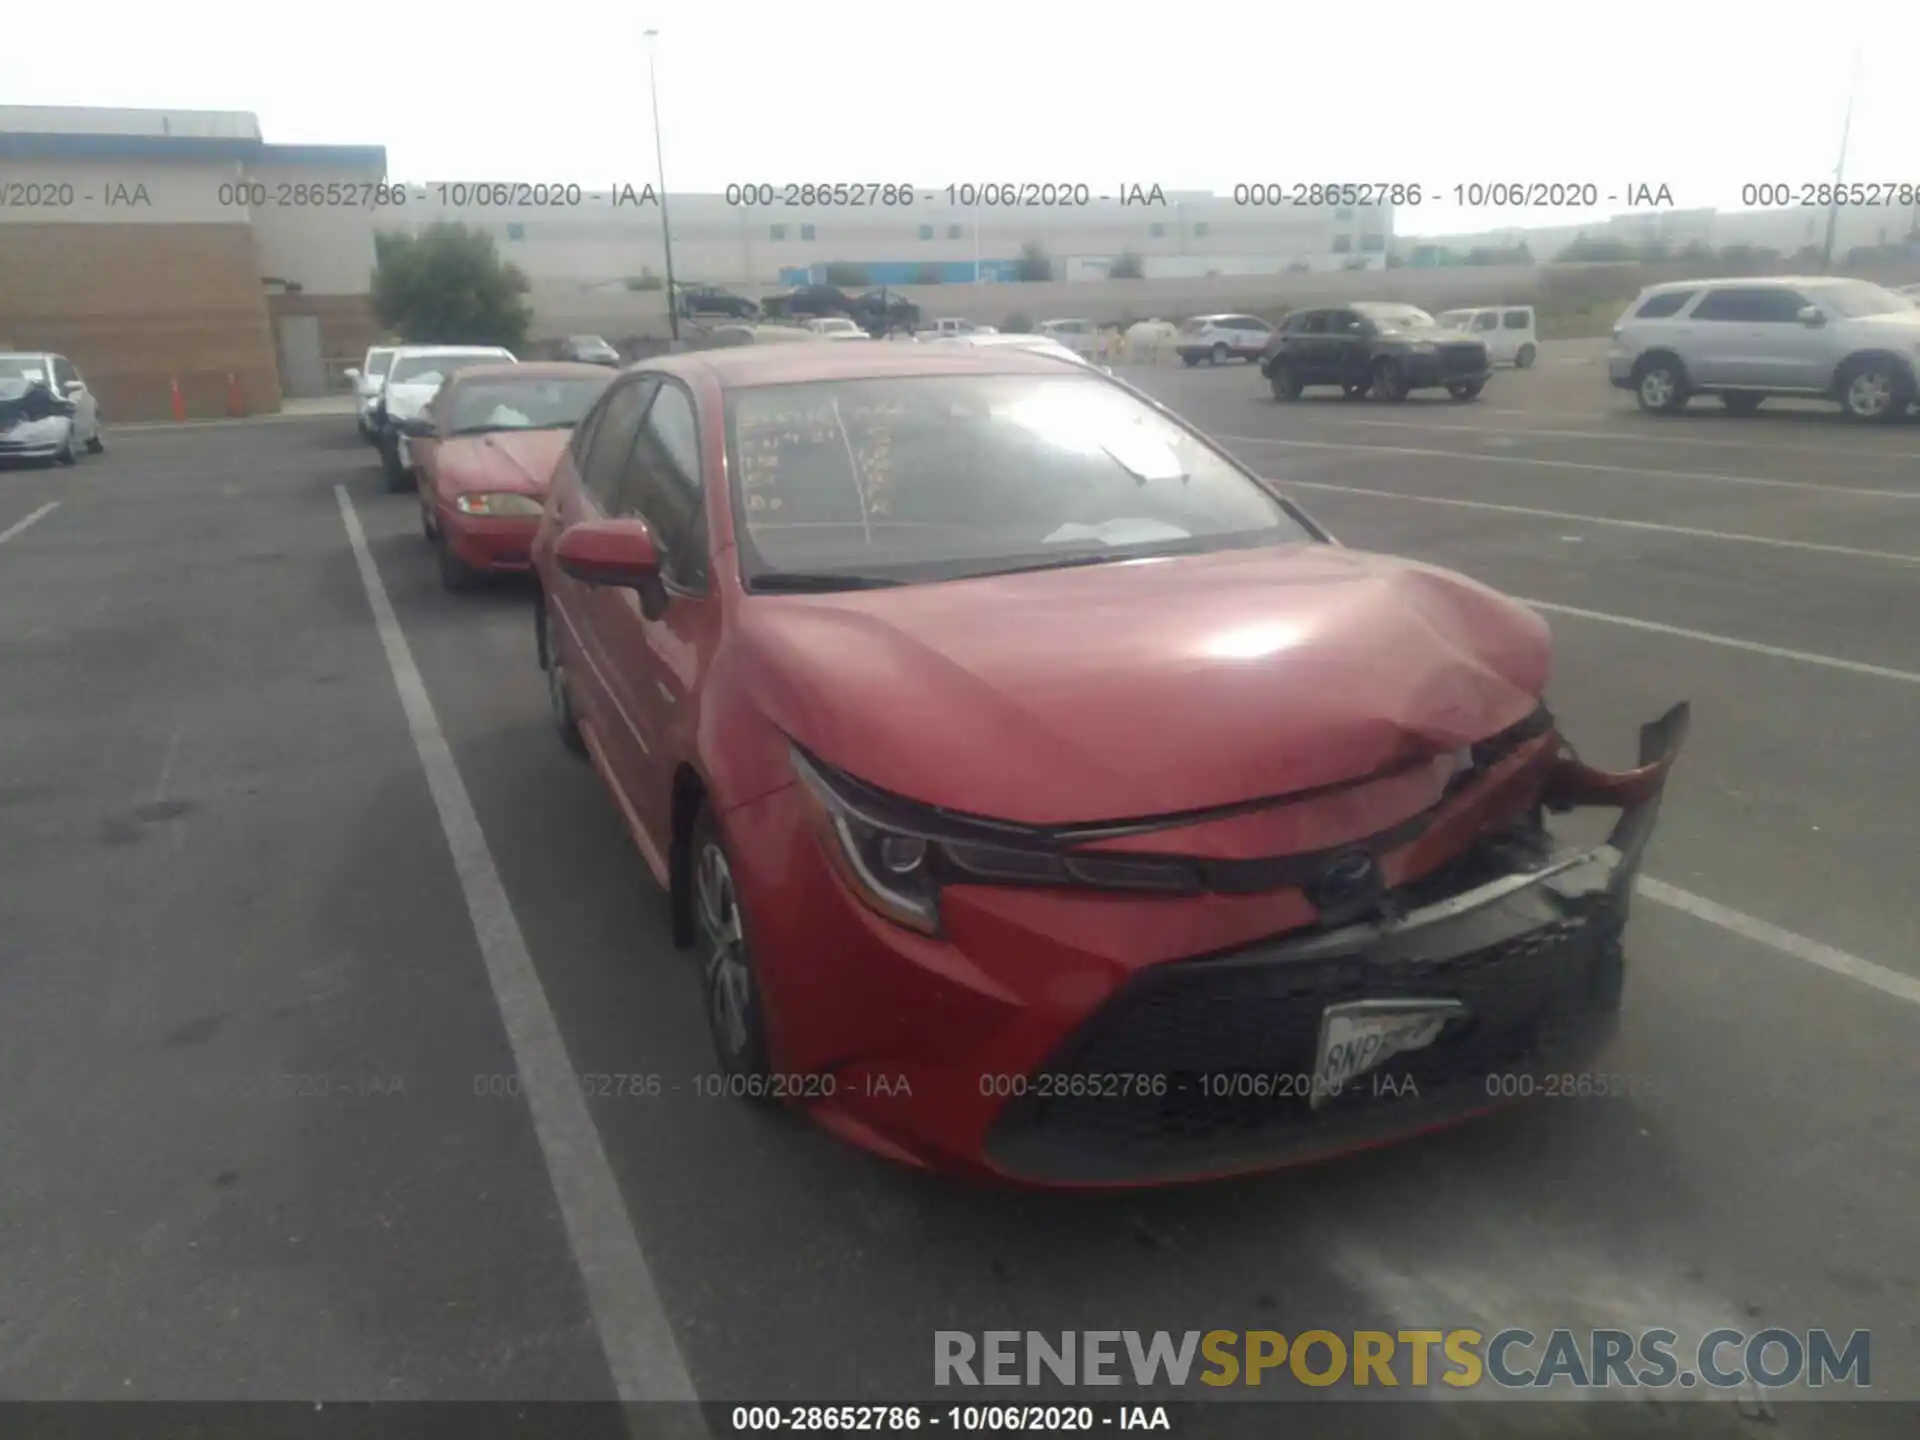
x=1304 y=346
x=1722 y=336
x=1789 y=353
x=1349 y=343
x=67 y=382
x=584 y=611
x=1253 y=336
x=654 y=660
x=1486 y=329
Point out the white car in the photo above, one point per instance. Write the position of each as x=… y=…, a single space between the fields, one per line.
x=1080 y=336
x=1508 y=331
x=1217 y=339
x=836 y=327
x=46 y=410
x=412 y=381
x=1042 y=344
x=367 y=381
x=1806 y=336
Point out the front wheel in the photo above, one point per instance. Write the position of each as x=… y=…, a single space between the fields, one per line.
x=1389 y=383
x=729 y=980
x=1286 y=384
x=1523 y=359
x=1661 y=387
x=1466 y=389
x=559 y=698
x=1875 y=390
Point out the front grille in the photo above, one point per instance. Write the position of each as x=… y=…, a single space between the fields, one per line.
x=1532 y=1000
x=1463 y=356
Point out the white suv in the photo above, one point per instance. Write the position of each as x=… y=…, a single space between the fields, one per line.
x=1825 y=337
x=1218 y=338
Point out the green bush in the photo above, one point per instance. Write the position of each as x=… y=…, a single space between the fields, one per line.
x=448 y=284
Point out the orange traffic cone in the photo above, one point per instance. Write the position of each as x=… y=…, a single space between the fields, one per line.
x=236 y=403
x=179 y=404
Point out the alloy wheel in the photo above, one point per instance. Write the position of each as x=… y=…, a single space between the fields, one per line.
x=1656 y=388
x=723 y=953
x=1870 y=393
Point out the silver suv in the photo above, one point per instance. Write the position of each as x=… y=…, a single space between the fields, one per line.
x=1806 y=336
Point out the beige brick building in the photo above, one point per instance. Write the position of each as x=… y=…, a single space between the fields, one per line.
x=155 y=247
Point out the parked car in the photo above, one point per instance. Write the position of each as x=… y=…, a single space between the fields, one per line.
x=416 y=373
x=366 y=381
x=1374 y=347
x=883 y=312
x=799 y=608
x=809 y=300
x=1744 y=339
x=715 y=300
x=1217 y=339
x=836 y=327
x=1508 y=331
x=588 y=350
x=948 y=325
x=723 y=337
x=1080 y=336
x=483 y=452
x=47 y=411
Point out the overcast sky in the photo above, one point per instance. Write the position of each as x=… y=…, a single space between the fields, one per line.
x=1698 y=95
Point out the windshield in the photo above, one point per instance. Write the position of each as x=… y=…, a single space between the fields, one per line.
x=1858 y=298
x=378 y=363
x=431 y=369
x=1398 y=317
x=17 y=372
x=941 y=477
x=522 y=404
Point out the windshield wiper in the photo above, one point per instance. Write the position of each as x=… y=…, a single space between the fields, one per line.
x=1071 y=562
x=805 y=582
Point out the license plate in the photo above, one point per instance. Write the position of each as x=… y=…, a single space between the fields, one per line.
x=1363 y=1035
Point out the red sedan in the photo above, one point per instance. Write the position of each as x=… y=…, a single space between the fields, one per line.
x=1047 y=796
x=483 y=451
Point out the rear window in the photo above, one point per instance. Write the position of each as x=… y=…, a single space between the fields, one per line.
x=1670 y=302
x=1193 y=327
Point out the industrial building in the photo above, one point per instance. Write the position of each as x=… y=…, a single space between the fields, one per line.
x=128 y=243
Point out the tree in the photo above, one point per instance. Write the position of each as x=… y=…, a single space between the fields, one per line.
x=1033 y=263
x=1127 y=266
x=447 y=284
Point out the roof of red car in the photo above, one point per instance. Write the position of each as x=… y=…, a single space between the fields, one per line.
x=747 y=365
x=534 y=370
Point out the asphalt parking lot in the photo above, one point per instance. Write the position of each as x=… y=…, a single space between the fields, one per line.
x=254 y=1070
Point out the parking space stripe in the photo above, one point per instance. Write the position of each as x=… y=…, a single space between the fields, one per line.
x=1711 y=476
x=640 y=1347
x=1771 y=444
x=20 y=525
x=1753 y=647
x=1732 y=536
x=1813 y=952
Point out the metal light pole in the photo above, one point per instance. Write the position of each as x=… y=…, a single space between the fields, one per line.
x=660 y=163
x=1840 y=169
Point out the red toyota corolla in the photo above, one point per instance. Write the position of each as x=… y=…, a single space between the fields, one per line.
x=1045 y=795
x=483 y=451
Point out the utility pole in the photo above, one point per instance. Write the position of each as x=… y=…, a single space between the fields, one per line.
x=660 y=163
x=1840 y=169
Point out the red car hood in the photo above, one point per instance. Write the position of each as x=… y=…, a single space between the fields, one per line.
x=1134 y=690
x=516 y=462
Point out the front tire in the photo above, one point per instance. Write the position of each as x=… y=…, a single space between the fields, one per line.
x=1875 y=391
x=1389 y=383
x=1660 y=386
x=729 y=982
x=1466 y=389
x=559 y=698
x=1524 y=357
x=1286 y=384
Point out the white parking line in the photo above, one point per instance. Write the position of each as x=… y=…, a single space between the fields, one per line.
x=1732 y=536
x=1729 y=642
x=1825 y=452
x=639 y=1342
x=1813 y=952
x=1759 y=481
x=20 y=525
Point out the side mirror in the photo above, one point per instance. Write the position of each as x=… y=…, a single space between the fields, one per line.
x=73 y=387
x=1812 y=315
x=616 y=553
x=352 y=374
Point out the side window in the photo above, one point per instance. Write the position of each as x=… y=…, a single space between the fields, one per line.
x=1731 y=304
x=661 y=485
x=1314 y=324
x=1343 y=322
x=1779 y=307
x=1659 y=307
x=1486 y=320
x=1519 y=320
x=612 y=439
x=63 y=372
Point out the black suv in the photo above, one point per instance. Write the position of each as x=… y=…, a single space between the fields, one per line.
x=713 y=300
x=879 y=311
x=1373 y=347
x=811 y=301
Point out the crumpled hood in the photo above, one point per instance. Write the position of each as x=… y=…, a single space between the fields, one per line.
x=518 y=463
x=1128 y=691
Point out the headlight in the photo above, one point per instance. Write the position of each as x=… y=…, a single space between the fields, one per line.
x=897 y=856
x=497 y=505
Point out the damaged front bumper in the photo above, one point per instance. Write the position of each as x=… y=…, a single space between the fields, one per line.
x=1523 y=971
